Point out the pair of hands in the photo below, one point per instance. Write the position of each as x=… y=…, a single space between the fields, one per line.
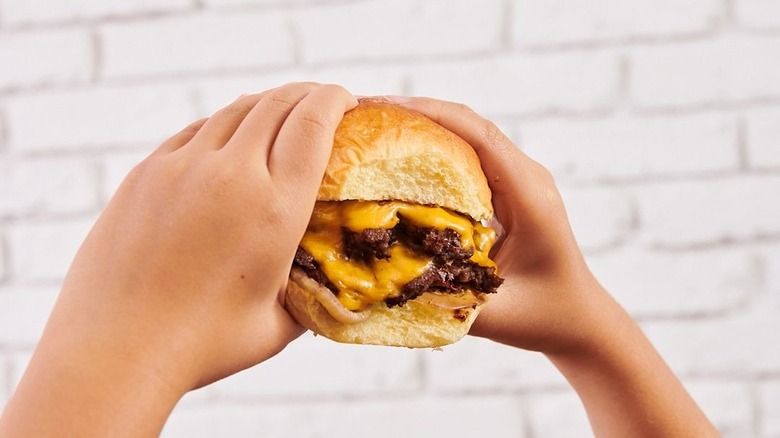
x=188 y=263
x=181 y=281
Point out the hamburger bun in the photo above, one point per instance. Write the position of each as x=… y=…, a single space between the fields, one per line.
x=385 y=152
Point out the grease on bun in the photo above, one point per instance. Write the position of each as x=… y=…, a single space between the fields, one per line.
x=396 y=252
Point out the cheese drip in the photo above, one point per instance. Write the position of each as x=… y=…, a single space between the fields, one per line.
x=361 y=284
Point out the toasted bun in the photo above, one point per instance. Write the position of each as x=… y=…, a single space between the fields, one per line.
x=383 y=151
x=387 y=152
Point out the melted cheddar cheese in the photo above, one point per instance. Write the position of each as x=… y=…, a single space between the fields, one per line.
x=360 y=283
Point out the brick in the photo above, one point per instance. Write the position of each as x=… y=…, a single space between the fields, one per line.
x=600 y=217
x=540 y=22
x=23 y=314
x=715 y=71
x=340 y=370
x=47 y=186
x=206 y=42
x=43 y=251
x=415 y=416
x=5 y=386
x=728 y=405
x=217 y=93
x=115 y=168
x=223 y=3
x=476 y=364
x=770 y=259
x=653 y=284
x=735 y=346
x=16 y=12
x=684 y=213
x=523 y=84
x=363 y=30
x=763 y=139
x=97 y=117
x=633 y=147
x=758 y=14
x=769 y=399
x=45 y=58
x=558 y=414
x=18 y=362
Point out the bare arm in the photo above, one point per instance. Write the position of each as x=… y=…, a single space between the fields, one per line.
x=552 y=303
x=178 y=284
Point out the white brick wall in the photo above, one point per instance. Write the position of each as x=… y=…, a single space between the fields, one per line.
x=546 y=22
x=494 y=416
x=398 y=29
x=763 y=139
x=16 y=12
x=196 y=43
x=697 y=73
x=46 y=57
x=769 y=398
x=660 y=121
x=709 y=211
x=99 y=117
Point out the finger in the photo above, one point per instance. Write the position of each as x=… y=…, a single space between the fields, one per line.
x=181 y=138
x=511 y=174
x=221 y=126
x=302 y=148
x=261 y=125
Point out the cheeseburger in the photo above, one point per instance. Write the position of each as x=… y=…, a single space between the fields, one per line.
x=396 y=251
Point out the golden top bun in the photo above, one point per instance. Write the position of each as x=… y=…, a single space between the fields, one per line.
x=413 y=325
x=387 y=152
x=384 y=151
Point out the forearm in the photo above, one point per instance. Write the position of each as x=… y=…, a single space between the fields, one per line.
x=81 y=386
x=626 y=387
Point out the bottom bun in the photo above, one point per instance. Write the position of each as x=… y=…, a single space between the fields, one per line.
x=415 y=324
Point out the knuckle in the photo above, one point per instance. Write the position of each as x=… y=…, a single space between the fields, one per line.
x=493 y=135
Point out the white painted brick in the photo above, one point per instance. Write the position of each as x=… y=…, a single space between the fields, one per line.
x=44 y=251
x=699 y=212
x=758 y=14
x=45 y=57
x=17 y=12
x=476 y=364
x=600 y=217
x=771 y=264
x=723 y=70
x=3 y=258
x=217 y=93
x=202 y=42
x=18 y=362
x=340 y=369
x=630 y=147
x=496 y=417
x=523 y=84
x=687 y=283
x=97 y=117
x=727 y=404
x=735 y=346
x=399 y=29
x=115 y=169
x=541 y=22
x=222 y=3
x=46 y=186
x=763 y=139
x=558 y=414
x=23 y=314
x=769 y=399
x=5 y=386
